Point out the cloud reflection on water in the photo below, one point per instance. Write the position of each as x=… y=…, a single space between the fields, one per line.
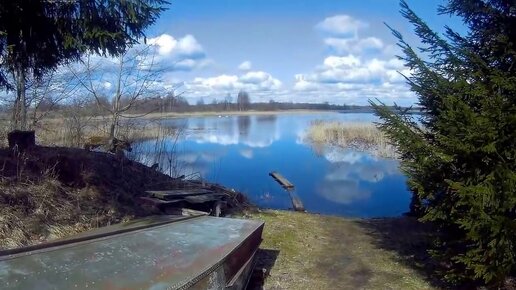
x=348 y=170
x=252 y=131
x=240 y=151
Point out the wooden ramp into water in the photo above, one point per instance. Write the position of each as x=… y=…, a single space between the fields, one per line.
x=289 y=187
x=296 y=201
x=281 y=180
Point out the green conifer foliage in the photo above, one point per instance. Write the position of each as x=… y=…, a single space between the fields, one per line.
x=38 y=35
x=461 y=158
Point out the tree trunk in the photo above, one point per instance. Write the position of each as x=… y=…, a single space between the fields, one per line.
x=19 y=117
x=23 y=103
x=16 y=113
x=113 y=130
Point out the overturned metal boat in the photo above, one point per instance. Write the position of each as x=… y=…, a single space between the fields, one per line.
x=162 y=252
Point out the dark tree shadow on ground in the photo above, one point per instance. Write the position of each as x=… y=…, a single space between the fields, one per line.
x=265 y=260
x=410 y=240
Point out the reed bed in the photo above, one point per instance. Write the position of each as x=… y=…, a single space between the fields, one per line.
x=74 y=132
x=360 y=136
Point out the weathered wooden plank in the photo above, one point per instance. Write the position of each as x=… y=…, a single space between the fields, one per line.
x=177 y=193
x=296 y=202
x=160 y=201
x=204 y=198
x=184 y=211
x=281 y=180
x=189 y=199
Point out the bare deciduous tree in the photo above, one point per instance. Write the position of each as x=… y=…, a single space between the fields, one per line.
x=243 y=100
x=40 y=97
x=227 y=102
x=46 y=94
x=130 y=79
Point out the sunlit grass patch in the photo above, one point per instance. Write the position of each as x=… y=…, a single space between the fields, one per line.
x=325 y=252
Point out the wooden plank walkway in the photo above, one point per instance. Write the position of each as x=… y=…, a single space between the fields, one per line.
x=297 y=204
x=296 y=201
x=281 y=180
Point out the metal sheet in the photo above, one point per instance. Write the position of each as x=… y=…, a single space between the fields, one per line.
x=163 y=257
x=104 y=231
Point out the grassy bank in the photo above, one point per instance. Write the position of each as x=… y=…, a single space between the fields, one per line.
x=360 y=136
x=307 y=251
x=53 y=192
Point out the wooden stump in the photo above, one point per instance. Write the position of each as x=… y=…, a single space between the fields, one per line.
x=21 y=140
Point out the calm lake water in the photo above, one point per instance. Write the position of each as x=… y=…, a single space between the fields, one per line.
x=240 y=151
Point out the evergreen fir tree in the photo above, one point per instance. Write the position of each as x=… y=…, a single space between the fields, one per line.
x=460 y=159
x=38 y=35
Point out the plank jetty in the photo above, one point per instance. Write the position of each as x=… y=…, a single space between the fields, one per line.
x=297 y=204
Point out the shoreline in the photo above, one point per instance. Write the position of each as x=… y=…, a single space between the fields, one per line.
x=173 y=115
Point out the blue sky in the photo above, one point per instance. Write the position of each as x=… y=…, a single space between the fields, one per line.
x=303 y=50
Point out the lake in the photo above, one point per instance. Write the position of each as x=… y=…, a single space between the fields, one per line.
x=240 y=151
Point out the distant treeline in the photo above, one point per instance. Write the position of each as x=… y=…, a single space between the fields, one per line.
x=179 y=104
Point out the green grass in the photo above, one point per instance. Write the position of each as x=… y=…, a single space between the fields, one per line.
x=324 y=252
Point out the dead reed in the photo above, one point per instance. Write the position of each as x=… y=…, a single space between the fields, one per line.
x=360 y=136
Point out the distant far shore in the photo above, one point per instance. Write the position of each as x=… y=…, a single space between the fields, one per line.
x=168 y=115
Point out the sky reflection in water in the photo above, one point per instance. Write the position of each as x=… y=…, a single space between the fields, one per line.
x=240 y=151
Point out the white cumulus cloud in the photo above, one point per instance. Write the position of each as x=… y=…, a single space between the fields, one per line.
x=245 y=66
x=184 y=53
x=353 y=45
x=258 y=83
x=356 y=68
x=341 y=25
x=168 y=45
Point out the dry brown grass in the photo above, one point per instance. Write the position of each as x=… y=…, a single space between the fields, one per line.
x=74 y=133
x=41 y=210
x=53 y=192
x=356 y=135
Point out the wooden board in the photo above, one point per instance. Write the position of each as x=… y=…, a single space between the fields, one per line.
x=194 y=199
x=184 y=211
x=281 y=180
x=296 y=202
x=154 y=200
x=177 y=193
x=204 y=198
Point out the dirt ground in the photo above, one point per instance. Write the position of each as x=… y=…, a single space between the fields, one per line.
x=307 y=251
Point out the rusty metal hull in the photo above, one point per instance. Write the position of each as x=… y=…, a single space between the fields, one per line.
x=196 y=253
